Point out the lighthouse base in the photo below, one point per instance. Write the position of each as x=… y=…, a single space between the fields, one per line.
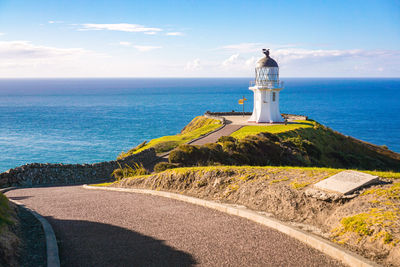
x=276 y=119
x=266 y=106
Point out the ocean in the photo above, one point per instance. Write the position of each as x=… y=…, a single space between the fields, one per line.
x=92 y=120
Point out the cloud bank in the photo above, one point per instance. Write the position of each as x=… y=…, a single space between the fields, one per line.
x=123 y=27
x=295 y=61
x=193 y=65
x=25 y=50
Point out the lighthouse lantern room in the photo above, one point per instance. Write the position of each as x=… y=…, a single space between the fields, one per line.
x=266 y=88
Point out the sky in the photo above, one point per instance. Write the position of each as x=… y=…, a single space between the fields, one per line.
x=216 y=38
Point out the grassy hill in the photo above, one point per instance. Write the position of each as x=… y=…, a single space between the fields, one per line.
x=306 y=143
x=197 y=127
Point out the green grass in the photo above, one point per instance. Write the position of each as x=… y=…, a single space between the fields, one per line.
x=102 y=184
x=5 y=217
x=332 y=171
x=274 y=129
x=197 y=127
x=372 y=224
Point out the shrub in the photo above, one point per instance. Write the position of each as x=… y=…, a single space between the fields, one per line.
x=184 y=154
x=312 y=149
x=4 y=211
x=162 y=166
x=228 y=146
x=128 y=171
x=189 y=155
x=226 y=138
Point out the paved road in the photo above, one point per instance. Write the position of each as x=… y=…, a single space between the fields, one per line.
x=102 y=228
x=213 y=138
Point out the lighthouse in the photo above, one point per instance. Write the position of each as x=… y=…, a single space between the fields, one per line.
x=266 y=88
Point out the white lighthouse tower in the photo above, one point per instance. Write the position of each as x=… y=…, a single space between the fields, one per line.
x=266 y=88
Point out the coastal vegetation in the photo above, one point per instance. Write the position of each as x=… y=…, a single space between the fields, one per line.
x=9 y=241
x=199 y=126
x=129 y=171
x=310 y=145
x=5 y=212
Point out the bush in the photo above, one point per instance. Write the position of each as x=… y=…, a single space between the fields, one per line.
x=128 y=171
x=189 y=155
x=270 y=136
x=312 y=149
x=162 y=166
x=184 y=154
x=5 y=217
x=226 y=138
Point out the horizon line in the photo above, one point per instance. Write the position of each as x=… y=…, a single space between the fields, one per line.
x=202 y=77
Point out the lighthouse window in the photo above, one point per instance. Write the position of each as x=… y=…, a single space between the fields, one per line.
x=273 y=96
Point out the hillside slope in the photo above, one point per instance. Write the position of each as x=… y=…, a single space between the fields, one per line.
x=199 y=126
x=311 y=146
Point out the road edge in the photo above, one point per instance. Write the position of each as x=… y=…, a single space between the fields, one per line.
x=53 y=259
x=345 y=256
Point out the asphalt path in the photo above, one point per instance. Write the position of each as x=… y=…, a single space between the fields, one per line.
x=213 y=138
x=105 y=228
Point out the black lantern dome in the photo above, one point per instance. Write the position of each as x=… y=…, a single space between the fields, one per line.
x=266 y=61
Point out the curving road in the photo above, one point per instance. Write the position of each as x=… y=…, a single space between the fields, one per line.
x=103 y=228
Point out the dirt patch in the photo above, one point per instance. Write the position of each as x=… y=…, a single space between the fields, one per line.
x=367 y=224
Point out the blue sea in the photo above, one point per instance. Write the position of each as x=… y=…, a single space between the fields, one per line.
x=91 y=120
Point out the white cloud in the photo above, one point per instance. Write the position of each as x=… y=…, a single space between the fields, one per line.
x=22 y=57
x=27 y=50
x=174 y=33
x=141 y=48
x=1 y=33
x=125 y=43
x=193 y=65
x=320 y=56
x=146 y=48
x=150 y=33
x=243 y=47
x=232 y=60
x=301 y=62
x=124 y=27
x=55 y=21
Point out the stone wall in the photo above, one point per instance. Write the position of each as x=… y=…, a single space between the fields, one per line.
x=229 y=113
x=65 y=174
x=216 y=115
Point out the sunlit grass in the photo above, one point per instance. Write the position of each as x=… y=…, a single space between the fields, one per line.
x=276 y=128
x=198 y=127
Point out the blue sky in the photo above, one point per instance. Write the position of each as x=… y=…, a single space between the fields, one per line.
x=198 y=38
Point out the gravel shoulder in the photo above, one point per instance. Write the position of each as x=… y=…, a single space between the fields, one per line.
x=33 y=244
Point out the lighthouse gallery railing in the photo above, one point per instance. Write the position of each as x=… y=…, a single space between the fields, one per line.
x=267 y=84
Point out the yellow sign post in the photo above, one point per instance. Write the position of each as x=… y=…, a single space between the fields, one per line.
x=241 y=102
